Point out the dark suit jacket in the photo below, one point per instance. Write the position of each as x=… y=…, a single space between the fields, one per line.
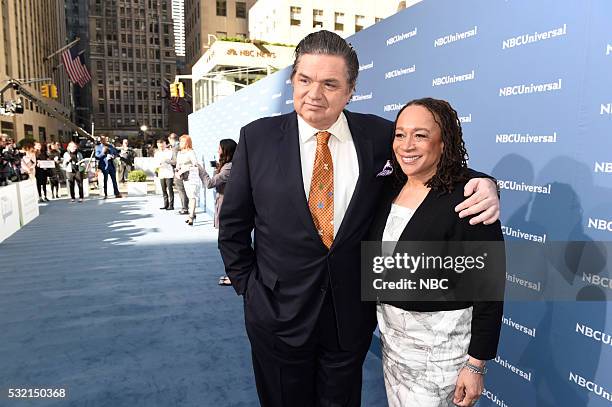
x=287 y=272
x=104 y=163
x=436 y=220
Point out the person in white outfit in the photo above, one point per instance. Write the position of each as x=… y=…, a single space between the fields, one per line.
x=73 y=165
x=165 y=173
x=186 y=164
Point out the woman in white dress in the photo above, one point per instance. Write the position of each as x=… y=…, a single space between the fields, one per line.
x=187 y=164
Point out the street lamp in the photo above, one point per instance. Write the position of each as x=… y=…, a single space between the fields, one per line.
x=143 y=132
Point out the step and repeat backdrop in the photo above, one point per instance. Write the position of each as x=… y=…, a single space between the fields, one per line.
x=532 y=82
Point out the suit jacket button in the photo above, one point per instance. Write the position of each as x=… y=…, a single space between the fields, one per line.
x=323 y=289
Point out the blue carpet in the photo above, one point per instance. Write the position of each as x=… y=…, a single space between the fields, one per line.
x=118 y=302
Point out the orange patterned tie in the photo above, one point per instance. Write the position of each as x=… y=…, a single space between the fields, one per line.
x=321 y=196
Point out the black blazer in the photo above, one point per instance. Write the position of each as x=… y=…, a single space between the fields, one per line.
x=436 y=220
x=286 y=273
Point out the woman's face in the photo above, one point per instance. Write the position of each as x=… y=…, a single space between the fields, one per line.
x=182 y=143
x=37 y=146
x=417 y=143
x=220 y=151
x=72 y=148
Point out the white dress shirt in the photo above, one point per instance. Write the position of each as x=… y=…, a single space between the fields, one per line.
x=344 y=159
x=163 y=159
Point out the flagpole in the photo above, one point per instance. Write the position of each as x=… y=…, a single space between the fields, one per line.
x=62 y=49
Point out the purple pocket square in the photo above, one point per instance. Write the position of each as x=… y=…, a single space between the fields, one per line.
x=387 y=170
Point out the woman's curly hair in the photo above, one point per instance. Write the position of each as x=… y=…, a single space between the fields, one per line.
x=452 y=167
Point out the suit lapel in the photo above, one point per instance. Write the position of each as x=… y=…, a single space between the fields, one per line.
x=363 y=146
x=290 y=170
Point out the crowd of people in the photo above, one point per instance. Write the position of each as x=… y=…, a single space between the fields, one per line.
x=178 y=166
x=33 y=159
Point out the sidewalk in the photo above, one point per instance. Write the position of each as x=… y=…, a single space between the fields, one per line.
x=117 y=301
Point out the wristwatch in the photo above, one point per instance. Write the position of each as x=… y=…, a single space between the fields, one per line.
x=475 y=369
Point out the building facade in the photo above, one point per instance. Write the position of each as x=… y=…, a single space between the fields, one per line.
x=288 y=21
x=228 y=66
x=132 y=62
x=30 y=32
x=178 y=17
x=208 y=20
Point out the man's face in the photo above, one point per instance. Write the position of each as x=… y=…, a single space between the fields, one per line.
x=320 y=89
x=161 y=145
x=125 y=143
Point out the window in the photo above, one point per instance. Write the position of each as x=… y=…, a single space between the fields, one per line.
x=377 y=19
x=359 y=23
x=295 y=15
x=339 y=21
x=222 y=8
x=317 y=18
x=241 y=11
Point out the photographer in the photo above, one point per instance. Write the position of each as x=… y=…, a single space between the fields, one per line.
x=10 y=162
x=74 y=170
x=126 y=155
x=4 y=162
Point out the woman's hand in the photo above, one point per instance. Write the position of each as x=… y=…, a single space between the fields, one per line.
x=468 y=389
x=483 y=200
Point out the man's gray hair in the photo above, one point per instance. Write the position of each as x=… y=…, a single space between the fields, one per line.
x=328 y=43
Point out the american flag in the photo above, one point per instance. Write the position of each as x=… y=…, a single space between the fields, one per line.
x=77 y=71
x=176 y=104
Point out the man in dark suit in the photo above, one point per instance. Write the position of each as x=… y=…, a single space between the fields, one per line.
x=306 y=183
x=105 y=154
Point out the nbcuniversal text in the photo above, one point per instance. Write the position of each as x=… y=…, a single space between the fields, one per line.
x=514 y=270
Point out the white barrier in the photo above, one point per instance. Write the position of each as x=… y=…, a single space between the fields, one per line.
x=147 y=164
x=9 y=211
x=137 y=188
x=28 y=201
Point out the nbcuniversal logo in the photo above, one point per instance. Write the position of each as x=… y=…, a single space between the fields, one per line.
x=603 y=166
x=605 y=108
